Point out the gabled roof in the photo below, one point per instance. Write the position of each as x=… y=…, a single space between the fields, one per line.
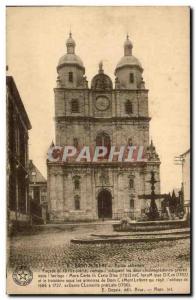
x=35 y=175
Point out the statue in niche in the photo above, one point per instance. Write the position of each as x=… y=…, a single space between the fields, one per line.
x=104 y=178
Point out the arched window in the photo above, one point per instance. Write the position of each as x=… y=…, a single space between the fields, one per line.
x=70 y=76
x=75 y=106
x=103 y=139
x=77 y=202
x=131 y=78
x=128 y=107
x=131 y=183
x=132 y=204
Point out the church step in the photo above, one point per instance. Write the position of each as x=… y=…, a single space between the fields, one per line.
x=157 y=233
x=131 y=239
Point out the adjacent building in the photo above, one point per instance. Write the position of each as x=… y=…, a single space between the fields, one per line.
x=106 y=114
x=18 y=125
x=37 y=194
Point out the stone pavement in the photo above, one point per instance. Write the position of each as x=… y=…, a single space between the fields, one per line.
x=51 y=247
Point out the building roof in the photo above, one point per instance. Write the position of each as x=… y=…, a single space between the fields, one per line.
x=35 y=175
x=70 y=59
x=13 y=92
x=128 y=61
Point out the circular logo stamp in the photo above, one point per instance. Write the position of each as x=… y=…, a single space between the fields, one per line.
x=22 y=275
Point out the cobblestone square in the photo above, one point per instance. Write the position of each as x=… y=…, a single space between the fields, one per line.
x=51 y=247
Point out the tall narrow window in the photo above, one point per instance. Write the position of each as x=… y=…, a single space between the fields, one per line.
x=131 y=183
x=77 y=202
x=128 y=107
x=74 y=106
x=70 y=76
x=131 y=78
x=77 y=184
x=132 y=203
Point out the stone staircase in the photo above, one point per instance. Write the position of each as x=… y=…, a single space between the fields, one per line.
x=135 y=237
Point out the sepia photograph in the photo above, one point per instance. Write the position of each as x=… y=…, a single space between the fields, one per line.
x=98 y=150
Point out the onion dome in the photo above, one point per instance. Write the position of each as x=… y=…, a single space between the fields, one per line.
x=128 y=59
x=70 y=44
x=70 y=58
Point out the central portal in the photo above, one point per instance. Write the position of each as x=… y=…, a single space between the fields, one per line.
x=105 y=205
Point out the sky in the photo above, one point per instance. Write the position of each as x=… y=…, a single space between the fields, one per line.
x=35 y=40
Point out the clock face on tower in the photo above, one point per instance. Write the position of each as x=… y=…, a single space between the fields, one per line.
x=102 y=103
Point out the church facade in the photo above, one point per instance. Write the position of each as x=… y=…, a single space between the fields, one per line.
x=103 y=114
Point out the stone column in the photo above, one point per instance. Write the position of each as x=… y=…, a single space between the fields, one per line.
x=52 y=196
x=86 y=103
x=139 y=191
x=69 y=192
x=87 y=194
x=113 y=98
x=94 y=199
x=115 y=193
x=65 y=179
x=59 y=189
x=90 y=99
x=118 y=104
x=120 y=203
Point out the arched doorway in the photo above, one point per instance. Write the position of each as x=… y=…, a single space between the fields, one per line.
x=105 y=205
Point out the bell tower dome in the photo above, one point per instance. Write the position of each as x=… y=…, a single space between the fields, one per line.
x=129 y=70
x=70 y=68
